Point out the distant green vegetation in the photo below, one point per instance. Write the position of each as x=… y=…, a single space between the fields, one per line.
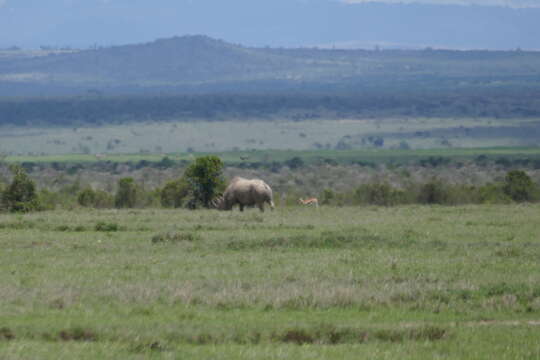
x=267 y=157
x=511 y=102
x=172 y=183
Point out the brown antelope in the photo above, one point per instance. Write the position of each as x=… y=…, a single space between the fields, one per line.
x=309 y=201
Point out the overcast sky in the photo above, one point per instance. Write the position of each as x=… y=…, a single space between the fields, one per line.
x=490 y=24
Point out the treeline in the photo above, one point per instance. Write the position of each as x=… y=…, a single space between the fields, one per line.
x=294 y=163
x=516 y=187
x=203 y=180
x=97 y=110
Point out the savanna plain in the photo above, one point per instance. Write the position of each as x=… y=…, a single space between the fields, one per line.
x=412 y=281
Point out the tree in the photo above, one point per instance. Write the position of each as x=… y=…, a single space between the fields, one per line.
x=126 y=195
x=205 y=179
x=20 y=195
x=519 y=186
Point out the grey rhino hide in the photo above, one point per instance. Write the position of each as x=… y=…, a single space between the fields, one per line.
x=246 y=192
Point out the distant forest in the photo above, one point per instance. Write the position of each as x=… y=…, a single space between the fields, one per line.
x=97 y=110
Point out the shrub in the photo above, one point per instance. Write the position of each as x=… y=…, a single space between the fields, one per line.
x=519 y=186
x=48 y=200
x=205 y=179
x=86 y=197
x=379 y=194
x=174 y=193
x=493 y=194
x=434 y=192
x=327 y=197
x=95 y=198
x=126 y=195
x=20 y=195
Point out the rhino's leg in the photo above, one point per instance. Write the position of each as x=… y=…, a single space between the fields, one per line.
x=261 y=207
x=241 y=207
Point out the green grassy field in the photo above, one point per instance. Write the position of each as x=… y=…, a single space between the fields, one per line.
x=412 y=282
x=308 y=156
x=279 y=134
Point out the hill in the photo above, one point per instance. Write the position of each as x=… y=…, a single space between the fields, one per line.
x=192 y=64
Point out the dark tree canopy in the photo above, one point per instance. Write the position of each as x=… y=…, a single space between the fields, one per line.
x=205 y=177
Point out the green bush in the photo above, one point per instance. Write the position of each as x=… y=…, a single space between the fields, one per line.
x=327 y=197
x=127 y=193
x=95 y=198
x=519 y=186
x=20 y=195
x=86 y=197
x=379 y=194
x=174 y=193
x=434 y=192
x=48 y=200
x=493 y=194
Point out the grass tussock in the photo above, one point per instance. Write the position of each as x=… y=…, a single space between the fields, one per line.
x=67 y=228
x=6 y=334
x=76 y=334
x=108 y=227
x=173 y=238
x=329 y=335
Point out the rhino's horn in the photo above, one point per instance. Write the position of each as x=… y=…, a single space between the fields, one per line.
x=216 y=203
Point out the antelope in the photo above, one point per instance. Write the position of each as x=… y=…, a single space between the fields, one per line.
x=309 y=201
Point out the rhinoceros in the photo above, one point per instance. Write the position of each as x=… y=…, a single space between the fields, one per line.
x=245 y=192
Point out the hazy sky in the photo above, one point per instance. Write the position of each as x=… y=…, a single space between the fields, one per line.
x=504 y=3
x=488 y=24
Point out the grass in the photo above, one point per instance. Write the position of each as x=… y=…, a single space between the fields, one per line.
x=408 y=282
x=233 y=158
x=174 y=137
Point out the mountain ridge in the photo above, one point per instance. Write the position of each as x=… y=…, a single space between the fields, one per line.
x=205 y=62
